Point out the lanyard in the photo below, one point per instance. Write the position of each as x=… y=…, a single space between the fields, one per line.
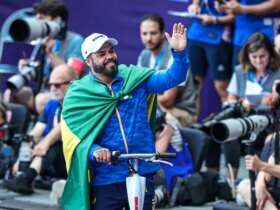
x=262 y=79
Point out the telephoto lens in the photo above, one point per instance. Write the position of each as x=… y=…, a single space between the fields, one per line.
x=28 y=29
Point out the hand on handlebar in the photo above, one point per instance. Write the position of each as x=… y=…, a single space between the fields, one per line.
x=102 y=155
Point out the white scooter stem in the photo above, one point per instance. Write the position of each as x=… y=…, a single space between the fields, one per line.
x=136 y=187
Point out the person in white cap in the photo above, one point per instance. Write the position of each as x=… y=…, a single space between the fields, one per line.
x=108 y=110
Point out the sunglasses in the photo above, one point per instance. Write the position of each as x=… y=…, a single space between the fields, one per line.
x=58 y=85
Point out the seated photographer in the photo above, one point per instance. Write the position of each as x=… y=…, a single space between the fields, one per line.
x=47 y=153
x=61 y=49
x=268 y=197
x=66 y=45
x=252 y=82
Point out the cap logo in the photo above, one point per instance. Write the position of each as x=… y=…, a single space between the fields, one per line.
x=94 y=39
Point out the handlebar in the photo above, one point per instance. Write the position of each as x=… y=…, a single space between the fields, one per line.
x=155 y=156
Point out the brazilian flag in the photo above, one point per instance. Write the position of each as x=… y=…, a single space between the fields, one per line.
x=87 y=107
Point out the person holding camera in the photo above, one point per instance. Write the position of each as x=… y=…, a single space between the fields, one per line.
x=259 y=67
x=252 y=81
x=108 y=110
x=47 y=152
x=62 y=48
x=66 y=45
x=267 y=189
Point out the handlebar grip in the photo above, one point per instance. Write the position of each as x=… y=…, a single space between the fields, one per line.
x=167 y=155
x=115 y=156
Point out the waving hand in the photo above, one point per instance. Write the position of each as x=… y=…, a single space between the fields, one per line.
x=178 y=40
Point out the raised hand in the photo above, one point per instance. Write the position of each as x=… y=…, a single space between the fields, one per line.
x=178 y=40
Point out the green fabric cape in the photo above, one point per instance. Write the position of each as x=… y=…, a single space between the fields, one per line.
x=86 y=108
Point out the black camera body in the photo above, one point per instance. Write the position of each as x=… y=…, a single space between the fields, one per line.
x=232 y=110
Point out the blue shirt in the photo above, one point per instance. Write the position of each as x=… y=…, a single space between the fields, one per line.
x=246 y=24
x=211 y=33
x=134 y=116
x=50 y=112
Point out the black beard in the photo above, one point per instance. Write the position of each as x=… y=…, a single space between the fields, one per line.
x=158 y=46
x=109 y=72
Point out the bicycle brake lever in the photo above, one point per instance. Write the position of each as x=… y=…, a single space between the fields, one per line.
x=162 y=161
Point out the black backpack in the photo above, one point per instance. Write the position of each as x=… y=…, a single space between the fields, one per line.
x=199 y=188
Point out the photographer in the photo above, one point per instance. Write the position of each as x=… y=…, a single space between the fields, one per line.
x=47 y=153
x=267 y=198
x=259 y=68
x=61 y=49
x=252 y=81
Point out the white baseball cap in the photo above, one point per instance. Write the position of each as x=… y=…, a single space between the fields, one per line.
x=94 y=42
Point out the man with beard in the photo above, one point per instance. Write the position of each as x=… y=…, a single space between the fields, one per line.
x=107 y=111
x=178 y=101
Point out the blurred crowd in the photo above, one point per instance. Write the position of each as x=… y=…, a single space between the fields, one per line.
x=235 y=43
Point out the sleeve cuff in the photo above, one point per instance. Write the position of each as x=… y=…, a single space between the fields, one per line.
x=180 y=55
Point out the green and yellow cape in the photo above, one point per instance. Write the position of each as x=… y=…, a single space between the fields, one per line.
x=86 y=108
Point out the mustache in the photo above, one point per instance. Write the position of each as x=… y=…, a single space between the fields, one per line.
x=111 y=61
x=150 y=42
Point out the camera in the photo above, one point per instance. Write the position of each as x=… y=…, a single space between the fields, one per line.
x=231 y=110
x=28 y=29
x=260 y=119
x=232 y=129
x=27 y=74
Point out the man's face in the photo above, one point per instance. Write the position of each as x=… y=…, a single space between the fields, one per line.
x=151 y=36
x=105 y=61
x=59 y=85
